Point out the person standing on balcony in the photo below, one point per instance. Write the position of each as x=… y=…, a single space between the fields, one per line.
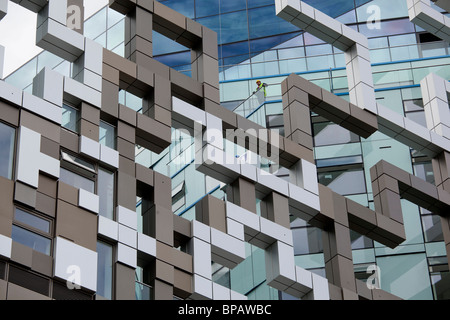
x=261 y=86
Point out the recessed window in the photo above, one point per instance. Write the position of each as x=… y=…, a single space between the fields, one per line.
x=178 y=197
x=414 y=111
x=344 y=182
x=76 y=180
x=328 y=133
x=29 y=280
x=70 y=118
x=32 y=231
x=82 y=174
x=105 y=191
x=107 y=135
x=104 y=269
x=7 y=138
x=307 y=240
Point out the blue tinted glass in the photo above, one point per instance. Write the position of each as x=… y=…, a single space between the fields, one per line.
x=233 y=27
x=263 y=22
x=332 y=8
x=176 y=59
x=267 y=43
x=212 y=23
x=32 y=220
x=185 y=7
x=258 y=3
x=388 y=28
x=163 y=45
x=234 y=5
x=361 y=2
x=205 y=8
x=235 y=60
x=234 y=49
x=104 y=270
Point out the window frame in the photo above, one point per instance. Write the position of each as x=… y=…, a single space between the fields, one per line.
x=14 y=151
x=30 y=228
x=78 y=116
x=88 y=173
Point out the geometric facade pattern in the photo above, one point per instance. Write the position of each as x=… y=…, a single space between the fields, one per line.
x=177 y=252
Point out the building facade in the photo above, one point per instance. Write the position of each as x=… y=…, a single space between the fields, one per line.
x=104 y=196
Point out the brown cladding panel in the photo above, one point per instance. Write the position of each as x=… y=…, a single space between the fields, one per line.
x=124 y=282
x=77 y=225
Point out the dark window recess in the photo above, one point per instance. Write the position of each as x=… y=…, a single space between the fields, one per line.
x=428 y=37
x=29 y=280
x=61 y=292
x=2 y=270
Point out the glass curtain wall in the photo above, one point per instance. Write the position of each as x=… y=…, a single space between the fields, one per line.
x=255 y=44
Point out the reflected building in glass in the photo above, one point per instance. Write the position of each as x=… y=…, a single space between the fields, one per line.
x=254 y=44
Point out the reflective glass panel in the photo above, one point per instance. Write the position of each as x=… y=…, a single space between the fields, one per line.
x=76 y=180
x=7 y=137
x=107 y=135
x=105 y=190
x=70 y=118
x=344 y=182
x=31 y=239
x=32 y=220
x=104 y=269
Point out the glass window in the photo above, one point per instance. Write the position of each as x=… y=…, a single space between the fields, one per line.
x=388 y=28
x=48 y=59
x=432 y=228
x=70 y=118
x=107 y=135
x=328 y=133
x=404 y=39
x=263 y=22
x=7 y=138
x=386 y=9
x=32 y=231
x=258 y=3
x=176 y=59
x=234 y=27
x=205 y=8
x=332 y=8
x=405 y=276
x=359 y=241
x=339 y=161
x=344 y=182
x=178 y=196
x=113 y=17
x=424 y=170
x=185 y=7
x=235 y=49
x=95 y=25
x=115 y=35
x=105 y=190
x=143 y=290
x=319 y=50
x=307 y=240
x=440 y=277
x=164 y=45
x=31 y=239
x=228 y=6
x=104 y=269
x=76 y=180
x=32 y=220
